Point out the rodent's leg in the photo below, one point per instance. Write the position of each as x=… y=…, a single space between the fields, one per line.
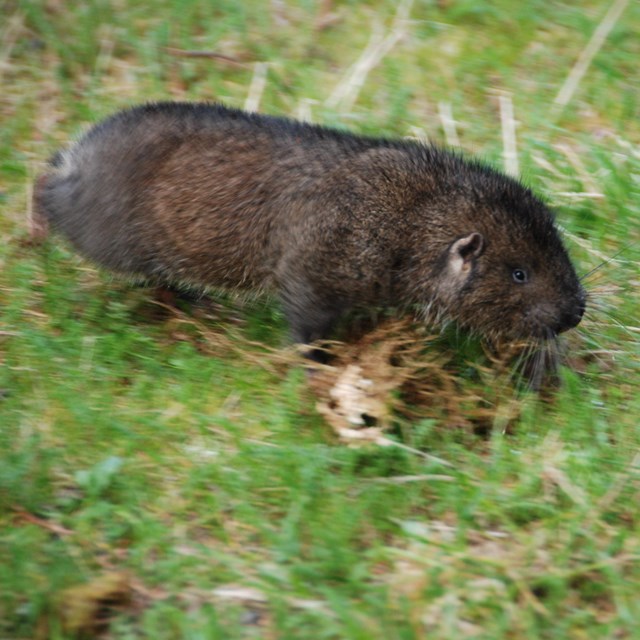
x=311 y=316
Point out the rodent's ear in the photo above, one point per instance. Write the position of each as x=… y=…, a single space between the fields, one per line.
x=465 y=250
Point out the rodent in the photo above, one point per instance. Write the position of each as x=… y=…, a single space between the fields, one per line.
x=211 y=196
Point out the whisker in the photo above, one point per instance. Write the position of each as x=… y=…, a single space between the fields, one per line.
x=628 y=329
x=519 y=365
x=607 y=261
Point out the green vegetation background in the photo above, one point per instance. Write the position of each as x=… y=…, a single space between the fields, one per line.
x=129 y=451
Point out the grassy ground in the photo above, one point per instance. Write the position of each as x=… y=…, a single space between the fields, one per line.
x=160 y=474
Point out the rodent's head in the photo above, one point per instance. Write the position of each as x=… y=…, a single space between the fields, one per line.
x=506 y=273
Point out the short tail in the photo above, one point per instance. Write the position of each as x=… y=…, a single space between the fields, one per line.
x=50 y=197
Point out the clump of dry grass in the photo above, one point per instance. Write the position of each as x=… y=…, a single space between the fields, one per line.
x=396 y=371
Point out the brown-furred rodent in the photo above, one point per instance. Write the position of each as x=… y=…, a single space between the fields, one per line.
x=215 y=197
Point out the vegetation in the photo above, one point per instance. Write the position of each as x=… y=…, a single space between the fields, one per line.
x=166 y=474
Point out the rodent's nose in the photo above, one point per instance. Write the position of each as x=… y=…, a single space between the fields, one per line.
x=571 y=318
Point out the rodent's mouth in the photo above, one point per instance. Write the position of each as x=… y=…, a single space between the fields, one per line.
x=546 y=321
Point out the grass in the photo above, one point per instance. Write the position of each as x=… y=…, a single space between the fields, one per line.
x=169 y=473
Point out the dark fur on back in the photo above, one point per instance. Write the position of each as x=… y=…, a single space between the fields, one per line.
x=217 y=197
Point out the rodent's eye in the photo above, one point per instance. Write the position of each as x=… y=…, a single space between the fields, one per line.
x=519 y=276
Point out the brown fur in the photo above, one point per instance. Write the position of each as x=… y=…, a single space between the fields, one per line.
x=215 y=197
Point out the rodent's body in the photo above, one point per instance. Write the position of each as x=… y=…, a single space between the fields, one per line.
x=215 y=197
